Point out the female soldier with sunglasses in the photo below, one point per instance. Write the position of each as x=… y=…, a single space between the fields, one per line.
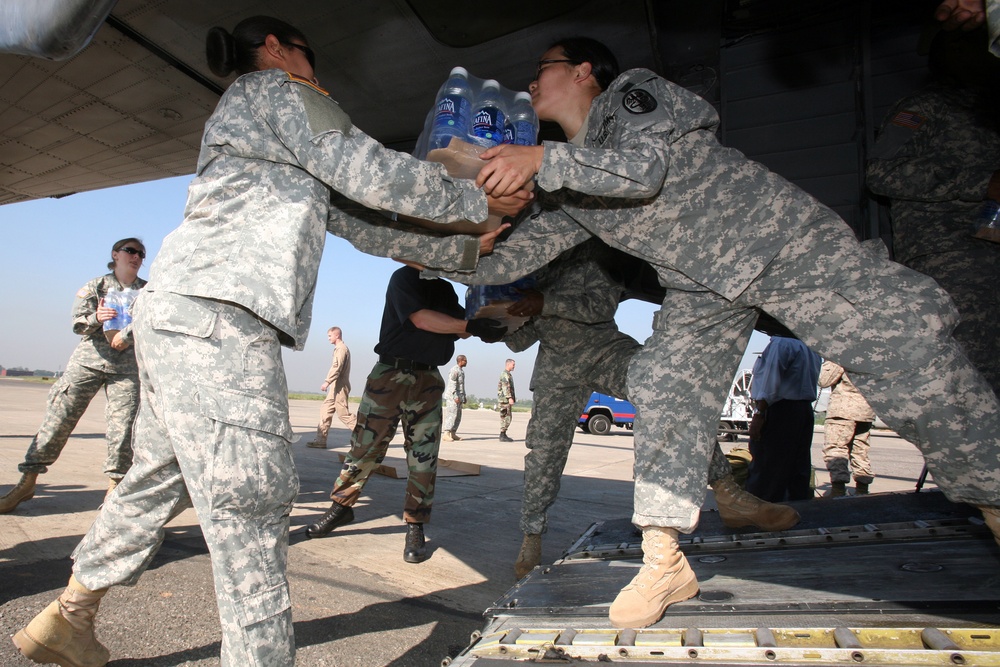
x=96 y=364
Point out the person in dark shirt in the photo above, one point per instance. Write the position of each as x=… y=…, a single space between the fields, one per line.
x=421 y=321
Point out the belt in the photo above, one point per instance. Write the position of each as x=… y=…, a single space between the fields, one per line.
x=404 y=364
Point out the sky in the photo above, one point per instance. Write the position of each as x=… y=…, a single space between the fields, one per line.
x=52 y=247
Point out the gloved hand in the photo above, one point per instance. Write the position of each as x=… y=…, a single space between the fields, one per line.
x=486 y=329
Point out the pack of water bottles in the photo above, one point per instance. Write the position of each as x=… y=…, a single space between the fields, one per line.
x=470 y=115
x=121 y=301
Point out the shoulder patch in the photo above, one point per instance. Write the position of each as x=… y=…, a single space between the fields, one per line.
x=908 y=119
x=322 y=112
x=83 y=293
x=298 y=79
x=639 y=101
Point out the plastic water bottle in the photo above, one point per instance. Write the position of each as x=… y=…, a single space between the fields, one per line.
x=488 y=116
x=508 y=132
x=454 y=107
x=525 y=120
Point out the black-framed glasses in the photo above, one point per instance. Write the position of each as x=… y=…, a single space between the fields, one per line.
x=310 y=54
x=133 y=251
x=549 y=61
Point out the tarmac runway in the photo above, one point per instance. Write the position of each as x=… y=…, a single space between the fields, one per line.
x=355 y=602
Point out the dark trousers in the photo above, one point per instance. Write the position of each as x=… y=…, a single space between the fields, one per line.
x=782 y=463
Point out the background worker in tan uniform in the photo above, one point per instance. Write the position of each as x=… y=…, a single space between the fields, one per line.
x=232 y=284
x=96 y=363
x=846 y=431
x=337 y=386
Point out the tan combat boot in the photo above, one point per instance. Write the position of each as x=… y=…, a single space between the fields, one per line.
x=992 y=517
x=530 y=556
x=665 y=578
x=447 y=436
x=739 y=508
x=63 y=633
x=23 y=490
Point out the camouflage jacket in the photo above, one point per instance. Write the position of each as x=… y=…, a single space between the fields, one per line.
x=577 y=320
x=94 y=351
x=455 y=387
x=260 y=203
x=505 y=388
x=846 y=402
x=654 y=181
x=933 y=160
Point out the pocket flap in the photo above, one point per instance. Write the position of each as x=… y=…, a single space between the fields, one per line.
x=247 y=410
x=180 y=314
x=262 y=606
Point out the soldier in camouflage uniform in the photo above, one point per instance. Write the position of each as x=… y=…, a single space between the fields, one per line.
x=645 y=172
x=581 y=350
x=936 y=160
x=231 y=285
x=506 y=399
x=454 y=399
x=96 y=363
x=420 y=324
x=846 y=432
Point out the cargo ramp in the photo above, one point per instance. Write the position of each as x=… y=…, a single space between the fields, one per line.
x=885 y=579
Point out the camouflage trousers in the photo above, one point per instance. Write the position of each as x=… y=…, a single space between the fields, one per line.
x=971 y=278
x=845 y=449
x=506 y=416
x=68 y=400
x=554 y=419
x=393 y=396
x=212 y=432
x=889 y=326
x=452 y=414
x=335 y=403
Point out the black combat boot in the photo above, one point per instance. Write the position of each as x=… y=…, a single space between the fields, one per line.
x=504 y=437
x=414 y=551
x=337 y=515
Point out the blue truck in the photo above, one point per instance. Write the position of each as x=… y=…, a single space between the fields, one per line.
x=603 y=412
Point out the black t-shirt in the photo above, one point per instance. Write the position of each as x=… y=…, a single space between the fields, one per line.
x=407 y=293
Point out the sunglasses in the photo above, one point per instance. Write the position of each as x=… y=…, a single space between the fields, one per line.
x=133 y=251
x=310 y=54
x=541 y=64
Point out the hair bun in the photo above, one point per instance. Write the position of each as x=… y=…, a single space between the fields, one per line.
x=220 y=51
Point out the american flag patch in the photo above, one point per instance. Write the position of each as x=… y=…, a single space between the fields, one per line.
x=908 y=119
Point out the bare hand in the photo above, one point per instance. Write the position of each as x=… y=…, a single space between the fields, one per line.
x=530 y=304
x=118 y=342
x=510 y=204
x=487 y=240
x=324 y=386
x=458 y=401
x=509 y=169
x=961 y=14
x=105 y=313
